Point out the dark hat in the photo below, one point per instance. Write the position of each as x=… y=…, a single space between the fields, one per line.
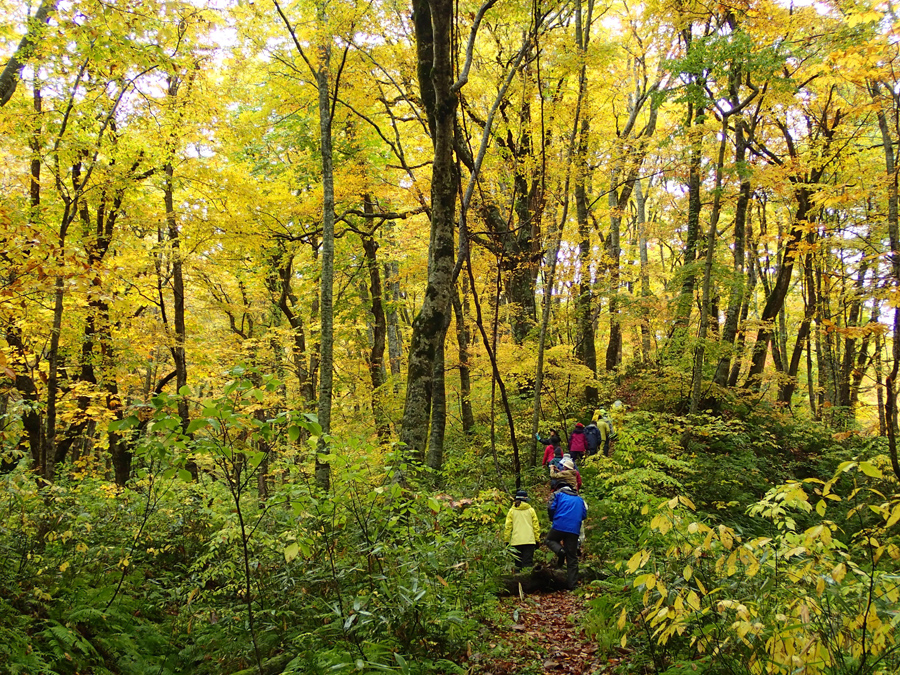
x=521 y=495
x=557 y=451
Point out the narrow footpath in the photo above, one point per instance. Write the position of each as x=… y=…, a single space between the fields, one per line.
x=545 y=638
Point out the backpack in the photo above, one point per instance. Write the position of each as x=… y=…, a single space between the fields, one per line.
x=592 y=435
x=612 y=431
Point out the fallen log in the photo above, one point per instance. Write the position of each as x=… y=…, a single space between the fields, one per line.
x=544 y=579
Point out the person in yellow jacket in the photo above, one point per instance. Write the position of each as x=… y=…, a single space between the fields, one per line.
x=523 y=530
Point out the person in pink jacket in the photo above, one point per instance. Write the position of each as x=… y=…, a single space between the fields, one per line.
x=578 y=444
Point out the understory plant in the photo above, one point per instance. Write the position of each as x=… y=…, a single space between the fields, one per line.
x=193 y=567
x=818 y=599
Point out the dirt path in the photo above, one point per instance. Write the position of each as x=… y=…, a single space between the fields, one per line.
x=544 y=638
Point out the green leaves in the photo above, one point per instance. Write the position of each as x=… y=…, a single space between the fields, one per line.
x=129 y=422
x=196 y=425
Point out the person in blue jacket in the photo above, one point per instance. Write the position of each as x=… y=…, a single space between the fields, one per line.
x=567 y=511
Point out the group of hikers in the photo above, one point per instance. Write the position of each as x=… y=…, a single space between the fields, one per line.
x=566 y=509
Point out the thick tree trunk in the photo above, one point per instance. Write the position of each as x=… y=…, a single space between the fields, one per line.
x=520 y=247
x=700 y=349
x=586 y=347
x=614 y=250
x=179 y=354
x=584 y=307
x=48 y=449
x=48 y=446
x=433 y=23
x=435 y=456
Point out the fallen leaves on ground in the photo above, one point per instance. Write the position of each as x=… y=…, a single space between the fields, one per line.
x=545 y=638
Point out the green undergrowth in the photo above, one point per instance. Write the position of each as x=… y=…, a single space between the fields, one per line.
x=760 y=544
x=171 y=575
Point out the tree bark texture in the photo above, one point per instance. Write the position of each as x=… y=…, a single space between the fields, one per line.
x=9 y=77
x=465 y=385
x=433 y=21
x=379 y=335
x=326 y=287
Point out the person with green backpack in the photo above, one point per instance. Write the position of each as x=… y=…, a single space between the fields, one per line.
x=606 y=429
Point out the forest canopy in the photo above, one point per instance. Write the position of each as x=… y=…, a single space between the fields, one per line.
x=292 y=291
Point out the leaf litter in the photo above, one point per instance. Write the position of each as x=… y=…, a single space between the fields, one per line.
x=543 y=638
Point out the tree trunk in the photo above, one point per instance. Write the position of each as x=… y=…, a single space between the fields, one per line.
x=879 y=385
x=788 y=383
x=395 y=346
x=699 y=350
x=848 y=361
x=465 y=386
x=825 y=346
x=775 y=299
x=179 y=354
x=584 y=304
x=326 y=292
x=435 y=458
x=433 y=21
x=280 y=283
x=734 y=376
x=379 y=335
x=737 y=292
x=888 y=145
x=9 y=77
x=676 y=343
x=641 y=202
x=584 y=307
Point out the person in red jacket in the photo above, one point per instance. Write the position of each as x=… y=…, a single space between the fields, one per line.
x=552 y=443
x=578 y=444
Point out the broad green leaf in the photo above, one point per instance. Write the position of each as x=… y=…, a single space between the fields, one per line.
x=196 y=424
x=870 y=470
x=126 y=423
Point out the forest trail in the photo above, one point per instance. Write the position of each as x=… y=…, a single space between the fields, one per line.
x=545 y=638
